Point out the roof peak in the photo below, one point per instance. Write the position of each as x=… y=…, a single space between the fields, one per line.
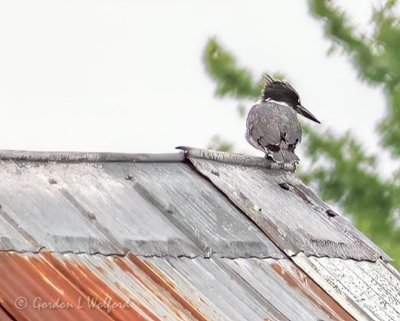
x=234 y=158
x=68 y=156
x=183 y=153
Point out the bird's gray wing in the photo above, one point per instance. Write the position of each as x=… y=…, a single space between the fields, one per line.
x=289 y=125
x=263 y=127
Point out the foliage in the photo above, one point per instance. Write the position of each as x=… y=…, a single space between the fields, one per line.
x=219 y=143
x=340 y=168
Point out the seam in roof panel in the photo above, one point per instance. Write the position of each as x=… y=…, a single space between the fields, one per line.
x=193 y=166
x=228 y=186
x=167 y=210
x=247 y=286
x=308 y=266
x=92 y=218
x=4 y=313
x=214 y=255
x=27 y=236
x=290 y=257
x=156 y=276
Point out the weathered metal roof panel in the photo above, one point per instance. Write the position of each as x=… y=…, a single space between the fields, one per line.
x=288 y=212
x=370 y=290
x=255 y=287
x=198 y=209
x=179 y=242
x=114 y=207
x=41 y=215
x=294 y=294
x=52 y=286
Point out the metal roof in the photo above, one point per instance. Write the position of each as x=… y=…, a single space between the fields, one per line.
x=196 y=235
x=154 y=288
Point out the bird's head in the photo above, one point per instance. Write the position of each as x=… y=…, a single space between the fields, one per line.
x=281 y=91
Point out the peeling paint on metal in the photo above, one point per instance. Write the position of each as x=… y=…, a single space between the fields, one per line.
x=368 y=290
x=311 y=290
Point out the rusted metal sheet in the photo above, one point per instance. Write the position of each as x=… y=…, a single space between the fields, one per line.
x=4 y=316
x=369 y=290
x=83 y=287
x=52 y=286
x=290 y=213
x=115 y=207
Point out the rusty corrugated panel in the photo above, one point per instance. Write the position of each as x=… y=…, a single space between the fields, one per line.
x=4 y=315
x=299 y=292
x=371 y=290
x=173 y=247
x=248 y=289
x=115 y=207
x=52 y=286
x=288 y=212
x=83 y=287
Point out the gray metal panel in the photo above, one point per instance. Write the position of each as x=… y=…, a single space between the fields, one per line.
x=126 y=216
x=11 y=237
x=366 y=283
x=369 y=290
x=39 y=213
x=217 y=289
x=290 y=213
x=296 y=301
x=79 y=208
x=197 y=208
x=113 y=207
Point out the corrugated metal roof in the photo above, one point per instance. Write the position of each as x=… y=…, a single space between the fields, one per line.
x=205 y=236
x=290 y=213
x=95 y=287
x=111 y=208
x=368 y=288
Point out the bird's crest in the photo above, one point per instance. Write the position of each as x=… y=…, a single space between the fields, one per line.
x=276 y=89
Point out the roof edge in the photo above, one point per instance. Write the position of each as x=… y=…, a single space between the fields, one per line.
x=37 y=156
x=186 y=153
x=237 y=159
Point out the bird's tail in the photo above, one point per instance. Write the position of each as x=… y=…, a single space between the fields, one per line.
x=283 y=154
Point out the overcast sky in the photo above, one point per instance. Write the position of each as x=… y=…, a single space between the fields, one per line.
x=127 y=76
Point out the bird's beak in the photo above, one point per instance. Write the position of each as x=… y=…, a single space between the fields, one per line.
x=303 y=111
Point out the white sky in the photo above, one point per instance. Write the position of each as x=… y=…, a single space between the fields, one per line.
x=127 y=76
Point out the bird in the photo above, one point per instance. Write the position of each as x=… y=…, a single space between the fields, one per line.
x=272 y=125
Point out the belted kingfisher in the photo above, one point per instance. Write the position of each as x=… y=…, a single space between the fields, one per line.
x=272 y=124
